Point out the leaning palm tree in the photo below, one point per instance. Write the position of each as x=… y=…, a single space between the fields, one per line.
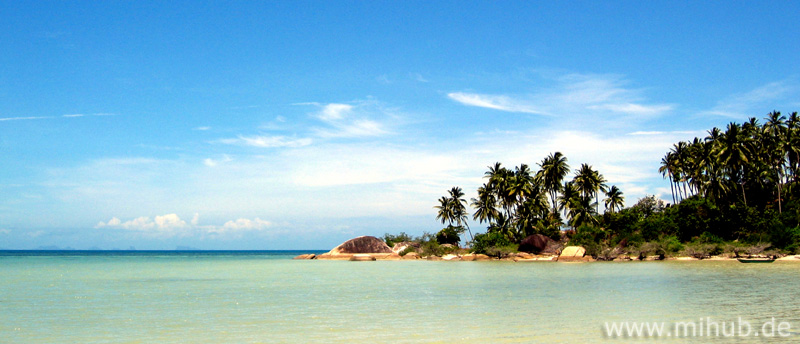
x=459 y=209
x=614 y=199
x=666 y=168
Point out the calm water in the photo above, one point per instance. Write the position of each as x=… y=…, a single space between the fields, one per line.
x=264 y=297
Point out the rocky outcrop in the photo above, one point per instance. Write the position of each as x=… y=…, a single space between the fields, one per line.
x=306 y=256
x=362 y=244
x=535 y=243
x=411 y=256
x=451 y=257
x=401 y=246
x=573 y=254
x=361 y=257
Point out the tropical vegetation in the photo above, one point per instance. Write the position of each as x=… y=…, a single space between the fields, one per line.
x=735 y=190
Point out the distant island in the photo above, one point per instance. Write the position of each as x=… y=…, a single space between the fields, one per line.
x=735 y=193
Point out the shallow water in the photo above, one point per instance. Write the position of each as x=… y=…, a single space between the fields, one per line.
x=268 y=298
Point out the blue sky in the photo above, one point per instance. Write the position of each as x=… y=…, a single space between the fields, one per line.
x=282 y=125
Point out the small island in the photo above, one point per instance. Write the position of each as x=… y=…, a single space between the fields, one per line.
x=735 y=194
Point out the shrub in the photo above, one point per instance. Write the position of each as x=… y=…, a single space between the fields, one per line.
x=501 y=251
x=428 y=246
x=484 y=241
x=393 y=239
x=699 y=250
x=449 y=235
x=407 y=250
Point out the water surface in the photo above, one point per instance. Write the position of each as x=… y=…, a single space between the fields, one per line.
x=265 y=297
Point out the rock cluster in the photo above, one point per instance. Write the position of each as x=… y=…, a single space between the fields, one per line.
x=574 y=254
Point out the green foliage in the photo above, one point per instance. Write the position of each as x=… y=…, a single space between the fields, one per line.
x=407 y=250
x=485 y=241
x=428 y=245
x=501 y=251
x=393 y=239
x=665 y=246
x=785 y=238
x=450 y=235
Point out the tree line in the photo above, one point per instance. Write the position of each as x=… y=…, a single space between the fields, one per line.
x=729 y=189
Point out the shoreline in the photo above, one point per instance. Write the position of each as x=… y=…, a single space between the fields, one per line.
x=518 y=257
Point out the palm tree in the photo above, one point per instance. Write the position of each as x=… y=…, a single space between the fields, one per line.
x=582 y=211
x=459 y=209
x=554 y=169
x=775 y=134
x=484 y=205
x=733 y=153
x=565 y=201
x=445 y=213
x=614 y=199
x=666 y=168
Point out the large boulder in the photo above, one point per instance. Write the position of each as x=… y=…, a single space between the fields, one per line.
x=573 y=254
x=306 y=256
x=534 y=243
x=362 y=244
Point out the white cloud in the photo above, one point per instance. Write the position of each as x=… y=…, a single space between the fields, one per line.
x=634 y=109
x=205 y=128
x=171 y=225
x=334 y=112
x=589 y=100
x=243 y=225
x=351 y=121
x=73 y=115
x=265 y=141
x=356 y=128
x=755 y=102
x=166 y=224
x=213 y=163
x=496 y=102
x=23 y=118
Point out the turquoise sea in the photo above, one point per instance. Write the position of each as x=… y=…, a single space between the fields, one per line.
x=265 y=297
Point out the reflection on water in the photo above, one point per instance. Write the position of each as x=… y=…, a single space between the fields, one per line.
x=243 y=300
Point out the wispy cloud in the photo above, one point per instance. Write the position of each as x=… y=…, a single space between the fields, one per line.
x=77 y=115
x=496 y=102
x=24 y=118
x=266 y=141
x=573 y=96
x=214 y=162
x=205 y=128
x=754 y=102
x=334 y=112
x=351 y=121
x=419 y=77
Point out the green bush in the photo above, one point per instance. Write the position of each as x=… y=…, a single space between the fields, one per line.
x=393 y=239
x=501 y=251
x=484 y=241
x=785 y=238
x=449 y=235
x=407 y=250
x=428 y=246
